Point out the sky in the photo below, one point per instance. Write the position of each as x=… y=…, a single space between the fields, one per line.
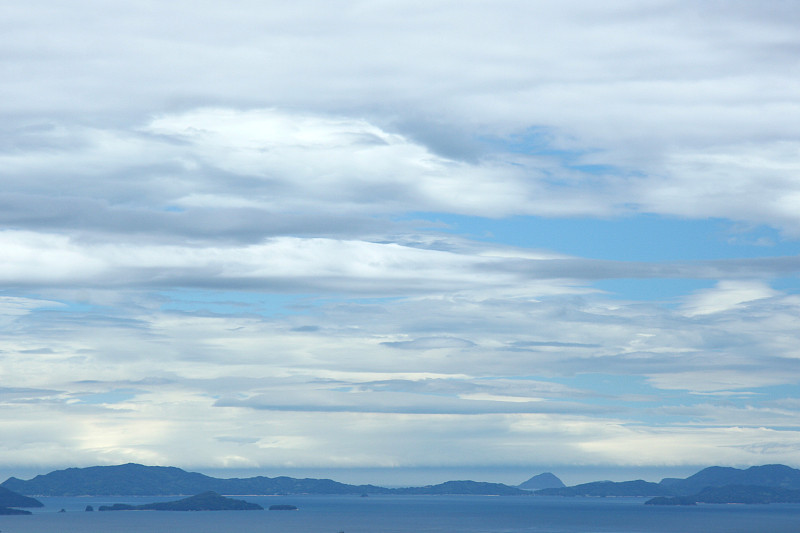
x=400 y=242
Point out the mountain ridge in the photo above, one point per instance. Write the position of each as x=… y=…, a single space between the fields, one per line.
x=772 y=475
x=716 y=484
x=133 y=479
x=757 y=483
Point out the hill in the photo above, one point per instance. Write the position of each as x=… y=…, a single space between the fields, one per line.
x=716 y=484
x=128 y=479
x=779 y=476
x=139 y=480
x=207 y=501
x=542 y=481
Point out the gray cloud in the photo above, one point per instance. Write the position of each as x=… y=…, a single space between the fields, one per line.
x=391 y=402
x=523 y=345
x=430 y=343
x=552 y=70
x=220 y=233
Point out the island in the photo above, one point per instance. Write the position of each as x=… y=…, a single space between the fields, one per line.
x=207 y=501
x=675 y=500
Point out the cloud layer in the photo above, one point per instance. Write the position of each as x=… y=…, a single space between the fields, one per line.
x=262 y=231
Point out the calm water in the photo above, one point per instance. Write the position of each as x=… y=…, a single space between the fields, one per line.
x=417 y=514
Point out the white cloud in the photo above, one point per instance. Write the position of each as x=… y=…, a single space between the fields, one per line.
x=727 y=295
x=15 y=306
x=280 y=264
x=284 y=391
x=164 y=182
x=694 y=118
x=246 y=167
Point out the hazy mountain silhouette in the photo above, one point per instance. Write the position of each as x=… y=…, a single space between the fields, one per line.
x=542 y=481
x=138 y=480
x=779 y=476
x=135 y=480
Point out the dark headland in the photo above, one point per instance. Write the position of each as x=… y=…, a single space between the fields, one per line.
x=12 y=503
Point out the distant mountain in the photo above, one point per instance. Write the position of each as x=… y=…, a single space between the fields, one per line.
x=463 y=487
x=716 y=484
x=608 y=489
x=129 y=479
x=779 y=476
x=207 y=501
x=748 y=494
x=138 y=480
x=542 y=481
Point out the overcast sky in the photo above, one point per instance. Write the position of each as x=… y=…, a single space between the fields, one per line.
x=349 y=236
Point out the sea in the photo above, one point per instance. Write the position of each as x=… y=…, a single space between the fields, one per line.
x=410 y=514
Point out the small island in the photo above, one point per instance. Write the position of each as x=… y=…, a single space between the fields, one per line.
x=282 y=507
x=207 y=501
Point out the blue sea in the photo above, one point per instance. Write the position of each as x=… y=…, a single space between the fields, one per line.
x=411 y=514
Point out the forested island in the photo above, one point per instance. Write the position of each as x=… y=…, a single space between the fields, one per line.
x=207 y=501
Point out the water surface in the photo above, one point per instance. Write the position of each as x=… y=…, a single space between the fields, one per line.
x=412 y=514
